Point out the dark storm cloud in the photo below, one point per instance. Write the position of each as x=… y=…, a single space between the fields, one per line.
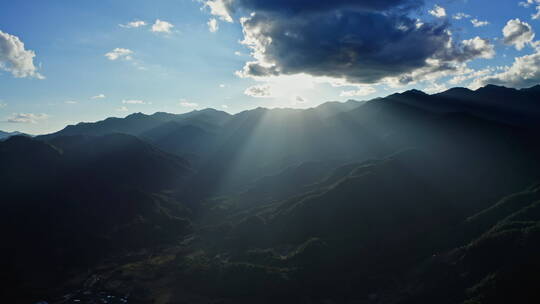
x=362 y=47
x=309 y=6
x=363 y=41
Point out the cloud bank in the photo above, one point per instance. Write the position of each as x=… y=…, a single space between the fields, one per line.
x=360 y=41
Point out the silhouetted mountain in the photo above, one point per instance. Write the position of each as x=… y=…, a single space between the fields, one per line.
x=138 y=123
x=496 y=263
x=332 y=108
x=6 y=135
x=70 y=203
x=180 y=138
x=402 y=199
x=505 y=105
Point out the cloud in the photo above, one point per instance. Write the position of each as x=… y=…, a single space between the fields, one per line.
x=518 y=33
x=17 y=60
x=460 y=16
x=220 y=8
x=27 y=118
x=534 y=3
x=122 y=109
x=119 y=53
x=71 y=102
x=187 y=104
x=134 y=24
x=524 y=72
x=99 y=96
x=224 y=106
x=477 y=23
x=2 y=104
x=161 y=26
x=476 y=48
x=228 y=7
x=213 y=25
x=133 y=101
x=438 y=11
x=469 y=74
x=362 y=42
x=362 y=91
x=527 y=3
x=435 y=88
x=299 y=100
x=258 y=91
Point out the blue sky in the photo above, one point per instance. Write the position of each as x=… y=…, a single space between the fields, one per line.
x=175 y=63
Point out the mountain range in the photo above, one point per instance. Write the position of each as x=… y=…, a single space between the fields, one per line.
x=6 y=135
x=410 y=198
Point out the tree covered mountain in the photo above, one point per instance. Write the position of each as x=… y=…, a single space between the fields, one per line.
x=411 y=198
x=74 y=201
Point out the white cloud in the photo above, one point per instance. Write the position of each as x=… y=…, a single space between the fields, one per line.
x=537 y=14
x=482 y=48
x=258 y=91
x=161 y=26
x=438 y=11
x=222 y=85
x=361 y=91
x=237 y=53
x=213 y=25
x=134 y=24
x=524 y=72
x=119 y=53
x=518 y=33
x=122 y=109
x=478 y=23
x=218 y=8
x=27 y=118
x=133 y=101
x=527 y=3
x=225 y=106
x=187 y=104
x=17 y=60
x=469 y=74
x=2 y=105
x=71 y=102
x=460 y=16
x=535 y=3
x=99 y=96
x=435 y=88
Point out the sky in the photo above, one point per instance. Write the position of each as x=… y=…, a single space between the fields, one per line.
x=64 y=61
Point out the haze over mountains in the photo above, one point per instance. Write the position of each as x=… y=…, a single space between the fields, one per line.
x=411 y=198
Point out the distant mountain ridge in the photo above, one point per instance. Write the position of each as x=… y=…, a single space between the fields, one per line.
x=522 y=106
x=497 y=103
x=138 y=123
x=273 y=139
x=6 y=135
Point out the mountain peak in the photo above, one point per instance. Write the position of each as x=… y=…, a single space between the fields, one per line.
x=415 y=91
x=493 y=87
x=138 y=115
